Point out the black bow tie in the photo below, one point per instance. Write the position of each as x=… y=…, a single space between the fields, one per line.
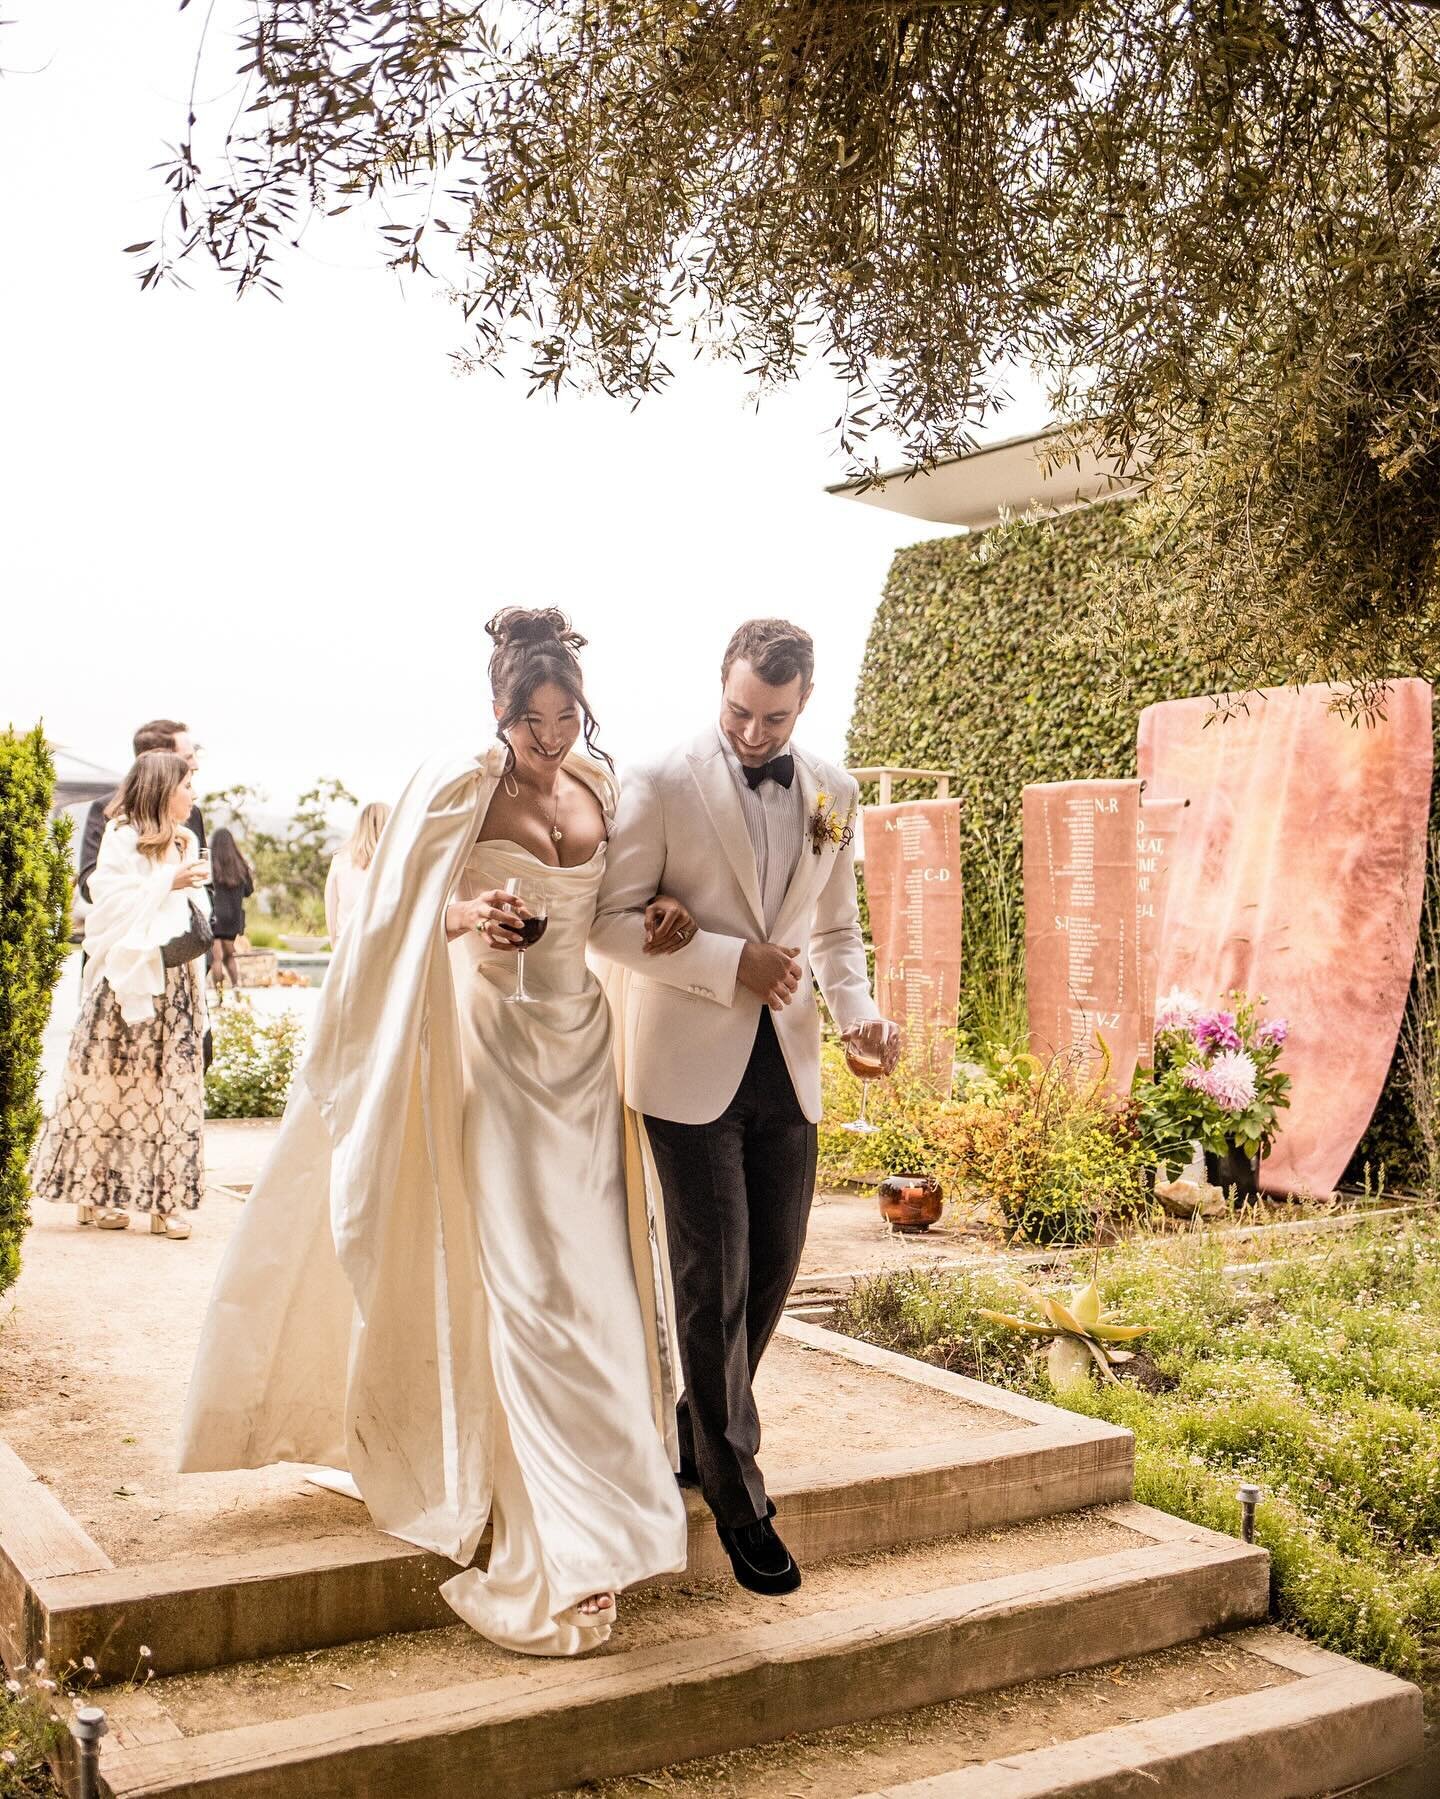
x=781 y=769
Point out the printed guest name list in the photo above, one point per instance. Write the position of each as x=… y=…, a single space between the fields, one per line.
x=1081 y=943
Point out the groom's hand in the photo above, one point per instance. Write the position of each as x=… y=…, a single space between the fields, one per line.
x=770 y=971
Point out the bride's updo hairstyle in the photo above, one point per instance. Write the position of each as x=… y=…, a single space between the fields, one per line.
x=531 y=649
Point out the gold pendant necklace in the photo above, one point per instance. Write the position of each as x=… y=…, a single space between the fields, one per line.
x=556 y=834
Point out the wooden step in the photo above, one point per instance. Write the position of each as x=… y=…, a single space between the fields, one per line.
x=1323 y=1733
x=985 y=1459
x=862 y=1638
x=1254 y=1714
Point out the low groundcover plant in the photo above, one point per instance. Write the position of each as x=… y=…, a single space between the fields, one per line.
x=1316 y=1377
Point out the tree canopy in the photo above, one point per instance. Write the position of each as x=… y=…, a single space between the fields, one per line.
x=1214 y=224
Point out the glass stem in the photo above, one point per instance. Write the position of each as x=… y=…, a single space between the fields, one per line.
x=864 y=1096
x=520 y=974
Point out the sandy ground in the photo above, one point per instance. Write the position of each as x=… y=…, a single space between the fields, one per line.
x=418 y=1663
x=97 y=1339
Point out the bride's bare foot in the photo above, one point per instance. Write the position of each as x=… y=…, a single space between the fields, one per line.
x=596 y=1604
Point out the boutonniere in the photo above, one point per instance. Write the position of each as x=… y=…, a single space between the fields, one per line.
x=826 y=826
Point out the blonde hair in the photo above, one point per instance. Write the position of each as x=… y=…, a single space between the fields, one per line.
x=143 y=800
x=366 y=834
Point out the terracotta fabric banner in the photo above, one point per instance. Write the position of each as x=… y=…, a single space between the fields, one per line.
x=1082 y=965
x=1161 y=821
x=1299 y=876
x=913 y=884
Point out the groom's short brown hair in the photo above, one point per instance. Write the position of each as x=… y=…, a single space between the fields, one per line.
x=775 y=649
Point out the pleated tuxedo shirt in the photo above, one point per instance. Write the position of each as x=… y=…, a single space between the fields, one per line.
x=776 y=826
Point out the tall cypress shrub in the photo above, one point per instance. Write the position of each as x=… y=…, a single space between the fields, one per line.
x=34 y=926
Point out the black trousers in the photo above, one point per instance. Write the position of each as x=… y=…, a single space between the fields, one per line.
x=737 y=1201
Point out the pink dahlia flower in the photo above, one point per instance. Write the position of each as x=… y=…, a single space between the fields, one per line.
x=1232 y=1080
x=1229 y=1080
x=1273 y=1033
x=1216 y=1031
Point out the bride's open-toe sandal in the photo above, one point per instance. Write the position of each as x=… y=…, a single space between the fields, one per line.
x=596 y=1610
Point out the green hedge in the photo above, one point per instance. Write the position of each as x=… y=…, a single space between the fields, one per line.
x=34 y=927
x=967 y=668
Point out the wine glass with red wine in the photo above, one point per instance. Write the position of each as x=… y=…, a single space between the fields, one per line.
x=532 y=927
x=865 y=1058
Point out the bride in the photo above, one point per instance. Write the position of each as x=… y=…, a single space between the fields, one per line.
x=449 y=1278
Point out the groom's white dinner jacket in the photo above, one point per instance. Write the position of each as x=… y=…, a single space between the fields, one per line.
x=689 y=1025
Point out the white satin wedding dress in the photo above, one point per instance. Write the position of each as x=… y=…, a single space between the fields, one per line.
x=585 y=1499
x=450 y=1277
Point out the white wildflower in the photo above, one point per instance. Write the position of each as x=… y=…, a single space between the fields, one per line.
x=1176 y=1010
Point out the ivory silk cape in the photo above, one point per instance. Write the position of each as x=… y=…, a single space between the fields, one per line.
x=348 y=1327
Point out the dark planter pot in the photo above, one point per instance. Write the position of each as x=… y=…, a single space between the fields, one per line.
x=1235 y=1174
x=911 y=1202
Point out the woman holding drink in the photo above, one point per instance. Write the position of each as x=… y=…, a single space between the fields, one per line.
x=448 y=1286
x=127 y=1134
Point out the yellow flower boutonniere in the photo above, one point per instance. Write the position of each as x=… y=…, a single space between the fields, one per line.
x=826 y=827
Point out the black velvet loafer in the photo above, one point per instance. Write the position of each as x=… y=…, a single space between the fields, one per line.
x=759 y=1558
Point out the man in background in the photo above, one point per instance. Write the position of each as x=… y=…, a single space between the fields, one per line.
x=158 y=734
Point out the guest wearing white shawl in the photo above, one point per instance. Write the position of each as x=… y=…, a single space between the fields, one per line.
x=127 y=1133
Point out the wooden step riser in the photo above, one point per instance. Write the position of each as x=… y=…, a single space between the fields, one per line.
x=211 y=1611
x=1319 y=1736
x=629 y=1713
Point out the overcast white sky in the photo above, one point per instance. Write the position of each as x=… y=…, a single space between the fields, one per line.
x=287 y=523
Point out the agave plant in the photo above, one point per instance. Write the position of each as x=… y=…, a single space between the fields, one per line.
x=1079 y=1330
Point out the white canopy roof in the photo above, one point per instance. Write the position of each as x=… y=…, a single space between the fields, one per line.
x=78 y=781
x=978 y=489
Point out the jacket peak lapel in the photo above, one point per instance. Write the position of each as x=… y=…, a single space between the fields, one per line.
x=810 y=869
x=712 y=776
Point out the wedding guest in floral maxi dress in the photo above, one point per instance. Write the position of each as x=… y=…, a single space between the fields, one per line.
x=127 y=1133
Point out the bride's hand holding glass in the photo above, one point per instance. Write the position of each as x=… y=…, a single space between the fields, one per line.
x=498 y=917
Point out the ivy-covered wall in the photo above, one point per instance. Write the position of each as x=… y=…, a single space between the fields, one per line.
x=967 y=669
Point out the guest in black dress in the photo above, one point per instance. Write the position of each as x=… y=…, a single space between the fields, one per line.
x=234 y=884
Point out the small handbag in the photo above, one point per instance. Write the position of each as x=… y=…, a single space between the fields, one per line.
x=189 y=944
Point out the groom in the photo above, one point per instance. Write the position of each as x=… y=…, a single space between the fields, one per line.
x=722 y=1040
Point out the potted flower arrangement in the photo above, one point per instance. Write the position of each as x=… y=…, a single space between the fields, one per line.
x=1215 y=1083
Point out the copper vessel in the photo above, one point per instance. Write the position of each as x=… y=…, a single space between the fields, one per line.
x=910 y=1202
